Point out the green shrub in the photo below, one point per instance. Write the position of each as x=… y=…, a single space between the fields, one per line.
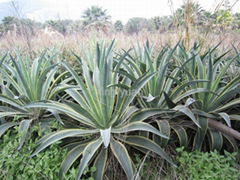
x=207 y=166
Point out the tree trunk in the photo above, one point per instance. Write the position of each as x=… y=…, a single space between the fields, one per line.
x=224 y=129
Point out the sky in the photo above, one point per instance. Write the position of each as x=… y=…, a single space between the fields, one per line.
x=41 y=10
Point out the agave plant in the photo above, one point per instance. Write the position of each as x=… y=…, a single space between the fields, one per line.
x=23 y=82
x=219 y=99
x=101 y=105
x=166 y=91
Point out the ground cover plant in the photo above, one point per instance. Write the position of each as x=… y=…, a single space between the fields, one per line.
x=112 y=104
x=206 y=165
x=16 y=164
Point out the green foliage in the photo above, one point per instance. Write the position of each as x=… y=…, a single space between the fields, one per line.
x=149 y=167
x=206 y=166
x=16 y=165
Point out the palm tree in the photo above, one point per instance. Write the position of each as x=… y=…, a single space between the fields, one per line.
x=118 y=26
x=97 y=17
x=190 y=11
x=187 y=16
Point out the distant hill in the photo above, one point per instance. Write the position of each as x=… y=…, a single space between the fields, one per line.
x=23 y=7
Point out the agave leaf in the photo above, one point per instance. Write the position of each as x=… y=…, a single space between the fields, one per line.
x=149 y=98
x=200 y=134
x=88 y=96
x=189 y=93
x=135 y=88
x=228 y=105
x=226 y=118
x=131 y=110
x=216 y=139
x=231 y=141
x=123 y=86
x=23 y=130
x=170 y=103
x=228 y=86
x=10 y=114
x=209 y=83
x=181 y=88
x=62 y=108
x=72 y=156
x=3 y=58
x=100 y=164
x=164 y=128
x=222 y=99
x=187 y=112
x=11 y=79
x=140 y=167
x=223 y=71
x=146 y=113
x=182 y=135
x=55 y=113
x=204 y=114
x=21 y=72
x=189 y=102
x=235 y=117
x=5 y=126
x=42 y=139
x=87 y=155
x=45 y=85
x=106 y=136
x=149 y=145
x=77 y=96
x=120 y=152
x=61 y=135
x=126 y=74
x=138 y=126
x=122 y=58
x=11 y=102
x=83 y=113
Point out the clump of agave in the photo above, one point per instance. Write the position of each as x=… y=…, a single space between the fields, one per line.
x=115 y=102
x=24 y=81
x=101 y=103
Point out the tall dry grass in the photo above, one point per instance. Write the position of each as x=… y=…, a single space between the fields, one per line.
x=81 y=41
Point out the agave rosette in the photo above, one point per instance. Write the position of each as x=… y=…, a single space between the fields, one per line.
x=101 y=105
